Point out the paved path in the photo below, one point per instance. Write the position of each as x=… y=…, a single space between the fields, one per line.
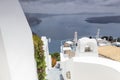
x=54 y=74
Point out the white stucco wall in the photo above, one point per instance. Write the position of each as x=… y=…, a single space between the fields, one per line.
x=91 y=68
x=17 y=44
x=82 y=43
x=63 y=57
x=4 y=69
x=46 y=53
x=86 y=71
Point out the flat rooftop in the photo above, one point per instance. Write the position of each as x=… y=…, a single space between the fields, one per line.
x=111 y=52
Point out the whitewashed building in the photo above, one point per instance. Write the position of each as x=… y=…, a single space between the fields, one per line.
x=81 y=62
x=86 y=47
x=16 y=44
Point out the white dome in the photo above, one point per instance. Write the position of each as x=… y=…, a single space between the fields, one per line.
x=86 y=39
x=69 y=42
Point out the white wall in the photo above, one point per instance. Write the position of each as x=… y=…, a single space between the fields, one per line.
x=66 y=66
x=4 y=69
x=18 y=44
x=82 y=43
x=91 y=68
x=63 y=57
x=86 y=71
x=46 y=53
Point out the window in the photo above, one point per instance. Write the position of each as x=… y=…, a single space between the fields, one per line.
x=88 y=48
x=68 y=75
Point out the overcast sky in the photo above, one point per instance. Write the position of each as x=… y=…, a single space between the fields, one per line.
x=71 y=6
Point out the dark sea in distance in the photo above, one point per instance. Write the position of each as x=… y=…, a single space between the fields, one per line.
x=62 y=27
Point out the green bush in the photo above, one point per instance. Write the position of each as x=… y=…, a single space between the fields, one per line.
x=39 y=57
x=56 y=55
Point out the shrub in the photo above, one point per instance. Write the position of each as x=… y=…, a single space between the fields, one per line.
x=55 y=57
x=39 y=57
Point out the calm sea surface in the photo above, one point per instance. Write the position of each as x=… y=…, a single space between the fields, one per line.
x=62 y=27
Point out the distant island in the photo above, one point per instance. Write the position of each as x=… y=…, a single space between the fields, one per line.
x=36 y=18
x=104 y=19
x=33 y=20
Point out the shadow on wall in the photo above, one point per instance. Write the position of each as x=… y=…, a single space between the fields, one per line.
x=4 y=69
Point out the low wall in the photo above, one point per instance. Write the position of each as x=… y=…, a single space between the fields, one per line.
x=90 y=69
x=87 y=71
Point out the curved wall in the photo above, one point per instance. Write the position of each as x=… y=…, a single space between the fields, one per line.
x=17 y=40
x=86 y=71
x=90 y=68
x=4 y=69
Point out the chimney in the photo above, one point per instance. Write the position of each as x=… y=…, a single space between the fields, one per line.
x=75 y=38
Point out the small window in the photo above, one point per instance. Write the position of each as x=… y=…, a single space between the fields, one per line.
x=88 y=48
x=68 y=75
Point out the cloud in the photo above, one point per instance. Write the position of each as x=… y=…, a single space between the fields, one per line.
x=29 y=0
x=70 y=6
x=47 y=1
x=112 y=3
